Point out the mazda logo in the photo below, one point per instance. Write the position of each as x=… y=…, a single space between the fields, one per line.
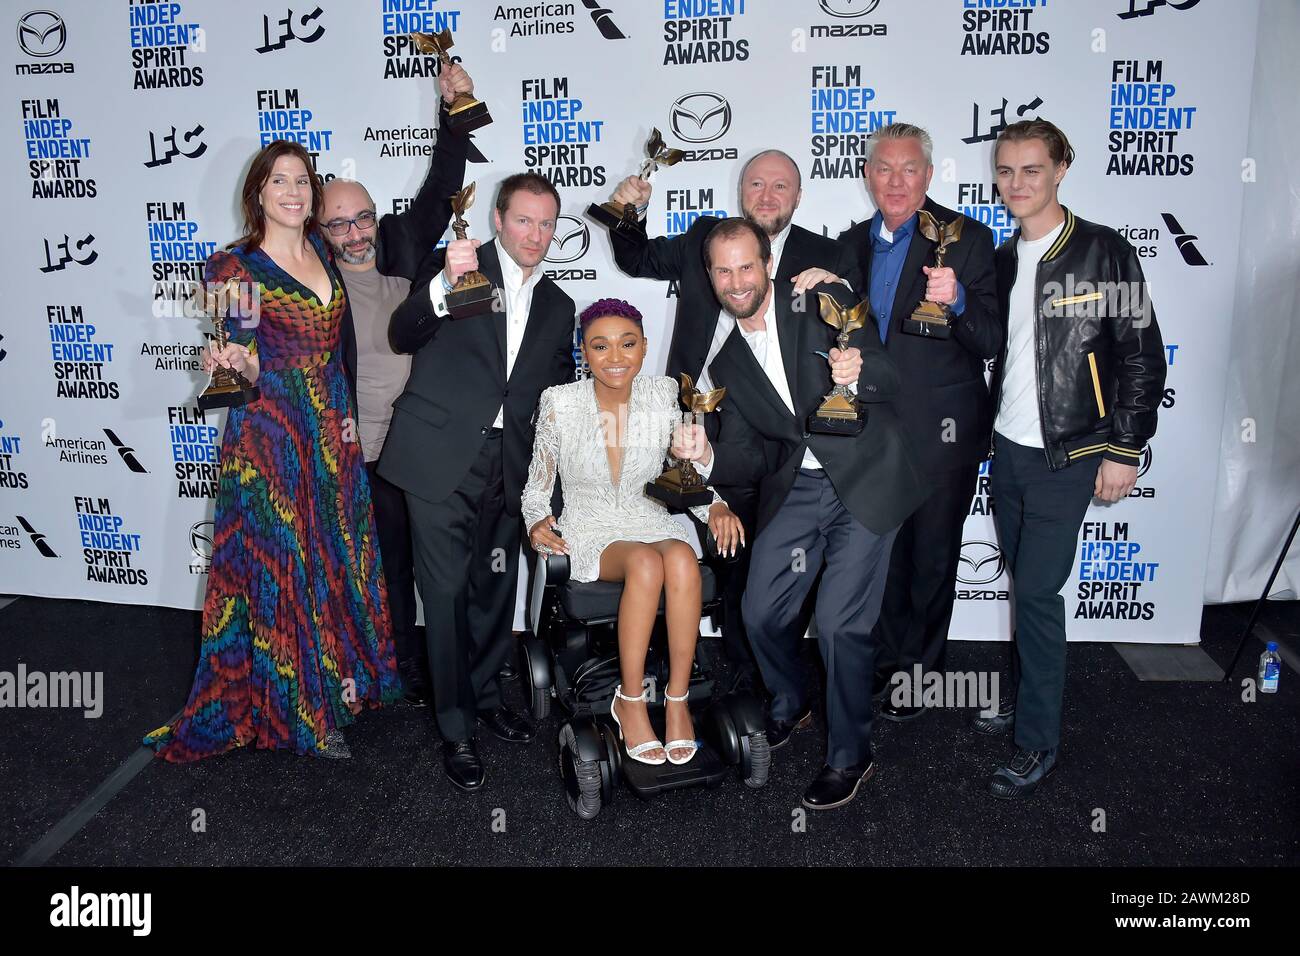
x=570 y=242
x=42 y=33
x=201 y=533
x=981 y=562
x=848 y=8
x=700 y=117
x=1145 y=462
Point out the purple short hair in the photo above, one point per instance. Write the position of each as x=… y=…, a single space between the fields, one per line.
x=606 y=307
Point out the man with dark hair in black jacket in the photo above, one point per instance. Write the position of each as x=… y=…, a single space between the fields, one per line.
x=377 y=259
x=1076 y=390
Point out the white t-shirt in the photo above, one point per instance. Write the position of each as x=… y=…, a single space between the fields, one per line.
x=1017 y=417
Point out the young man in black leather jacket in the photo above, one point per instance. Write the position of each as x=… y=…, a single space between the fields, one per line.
x=1076 y=391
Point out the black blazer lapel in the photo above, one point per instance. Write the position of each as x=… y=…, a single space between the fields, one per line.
x=789 y=325
x=489 y=264
x=736 y=359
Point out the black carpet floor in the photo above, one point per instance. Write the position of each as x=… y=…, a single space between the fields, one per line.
x=1184 y=773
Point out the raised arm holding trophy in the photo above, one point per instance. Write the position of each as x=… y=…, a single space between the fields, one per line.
x=465 y=113
x=625 y=217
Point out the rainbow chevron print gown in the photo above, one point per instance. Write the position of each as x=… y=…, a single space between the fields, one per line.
x=295 y=634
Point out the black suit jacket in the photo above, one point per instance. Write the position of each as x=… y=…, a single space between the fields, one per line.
x=458 y=381
x=874 y=473
x=406 y=237
x=943 y=394
x=681 y=259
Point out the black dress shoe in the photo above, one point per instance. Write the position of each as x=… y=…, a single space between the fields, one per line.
x=1028 y=770
x=780 y=731
x=508 y=670
x=900 y=715
x=995 y=724
x=507 y=725
x=417 y=692
x=834 y=788
x=463 y=765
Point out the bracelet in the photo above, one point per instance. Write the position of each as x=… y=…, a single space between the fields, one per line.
x=446 y=285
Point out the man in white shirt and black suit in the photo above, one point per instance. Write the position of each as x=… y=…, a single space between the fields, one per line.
x=829 y=503
x=459 y=447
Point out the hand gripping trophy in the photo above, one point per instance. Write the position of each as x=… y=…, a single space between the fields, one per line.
x=465 y=114
x=473 y=293
x=933 y=319
x=227 y=387
x=840 y=412
x=624 y=218
x=680 y=486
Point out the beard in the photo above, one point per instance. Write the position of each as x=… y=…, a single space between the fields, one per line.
x=772 y=226
x=755 y=302
x=358 y=257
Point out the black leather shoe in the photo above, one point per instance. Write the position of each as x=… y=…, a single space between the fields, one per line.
x=780 y=731
x=463 y=765
x=507 y=725
x=508 y=670
x=417 y=691
x=1002 y=722
x=834 y=788
x=1025 y=774
x=900 y=715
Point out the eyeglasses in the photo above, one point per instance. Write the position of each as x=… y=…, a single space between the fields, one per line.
x=340 y=227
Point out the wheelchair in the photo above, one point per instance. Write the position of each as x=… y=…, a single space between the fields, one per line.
x=569 y=660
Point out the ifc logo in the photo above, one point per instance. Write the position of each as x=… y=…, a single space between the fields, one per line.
x=42 y=33
x=700 y=117
x=570 y=241
x=981 y=563
x=848 y=8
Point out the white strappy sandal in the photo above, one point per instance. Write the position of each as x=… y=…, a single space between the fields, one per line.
x=635 y=752
x=672 y=745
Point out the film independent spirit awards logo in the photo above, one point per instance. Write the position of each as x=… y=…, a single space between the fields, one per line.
x=700 y=117
x=42 y=33
x=848 y=9
x=570 y=242
x=981 y=563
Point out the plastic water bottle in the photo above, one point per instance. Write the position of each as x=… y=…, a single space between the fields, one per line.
x=1270 y=669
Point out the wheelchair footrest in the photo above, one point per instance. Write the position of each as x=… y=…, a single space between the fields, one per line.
x=705 y=769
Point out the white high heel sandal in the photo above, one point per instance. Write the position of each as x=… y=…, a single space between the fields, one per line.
x=672 y=745
x=635 y=752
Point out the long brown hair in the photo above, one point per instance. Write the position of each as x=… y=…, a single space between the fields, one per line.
x=250 y=196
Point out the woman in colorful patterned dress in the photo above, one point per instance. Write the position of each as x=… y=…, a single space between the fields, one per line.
x=295 y=633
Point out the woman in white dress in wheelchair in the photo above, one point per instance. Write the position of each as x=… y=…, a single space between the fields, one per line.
x=607 y=436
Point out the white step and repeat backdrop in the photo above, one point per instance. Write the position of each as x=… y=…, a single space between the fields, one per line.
x=130 y=126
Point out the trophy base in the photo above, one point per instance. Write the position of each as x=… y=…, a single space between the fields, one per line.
x=611 y=218
x=928 y=324
x=468 y=117
x=677 y=499
x=820 y=423
x=470 y=298
x=228 y=396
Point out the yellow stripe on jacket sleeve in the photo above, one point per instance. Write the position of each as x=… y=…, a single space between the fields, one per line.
x=1096 y=384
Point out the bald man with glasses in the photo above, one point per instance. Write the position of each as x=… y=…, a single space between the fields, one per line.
x=377 y=258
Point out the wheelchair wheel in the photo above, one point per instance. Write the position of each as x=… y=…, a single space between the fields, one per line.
x=755 y=769
x=582 y=783
x=535 y=663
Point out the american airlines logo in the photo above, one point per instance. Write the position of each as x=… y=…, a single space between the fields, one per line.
x=700 y=117
x=127 y=453
x=1184 y=240
x=38 y=539
x=600 y=15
